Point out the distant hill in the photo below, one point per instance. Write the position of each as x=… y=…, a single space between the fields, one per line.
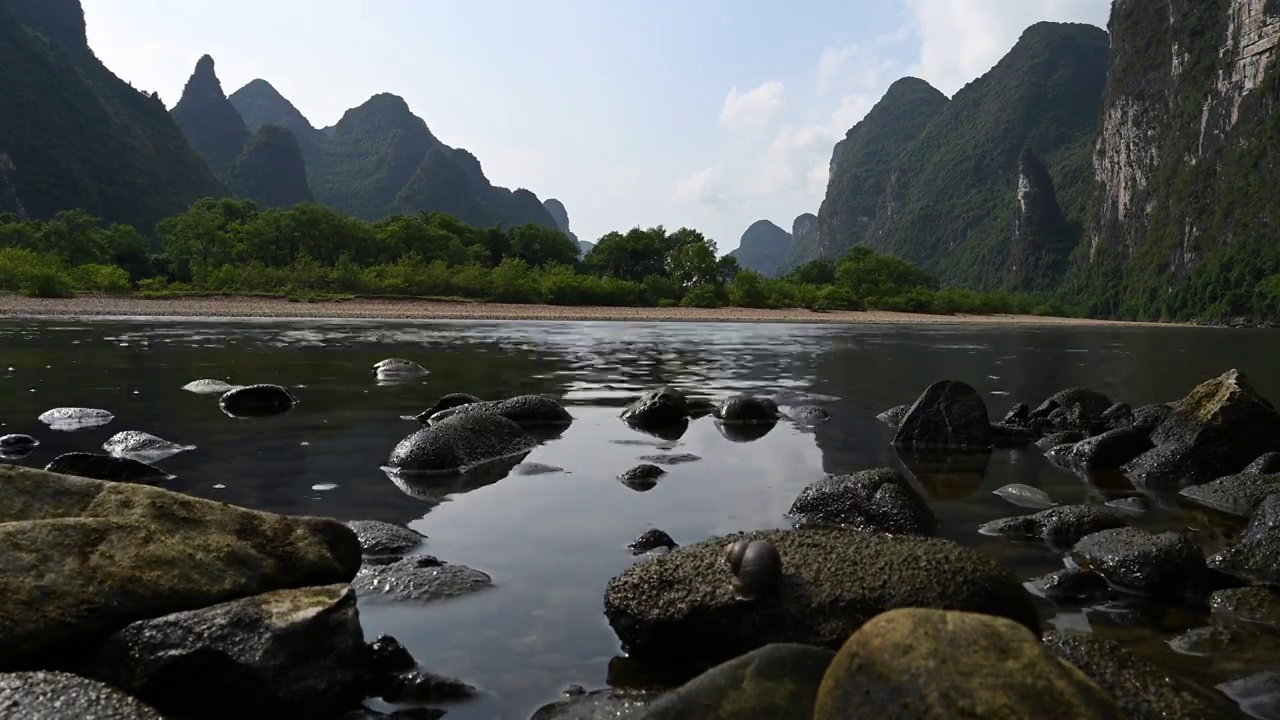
x=561 y=217
x=763 y=248
x=260 y=104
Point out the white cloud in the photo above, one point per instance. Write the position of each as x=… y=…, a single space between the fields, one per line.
x=704 y=187
x=753 y=108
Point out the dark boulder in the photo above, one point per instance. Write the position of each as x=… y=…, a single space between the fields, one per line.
x=1149 y=417
x=1064 y=437
x=662 y=407
x=1117 y=416
x=1059 y=527
x=875 y=500
x=1166 y=566
x=1257 y=604
x=1266 y=519
x=458 y=442
x=257 y=401
x=1239 y=494
x=1225 y=420
x=420 y=579
x=651 y=539
x=386 y=656
x=1171 y=467
x=894 y=415
x=1073 y=409
x=446 y=402
x=106 y=467
x=62 y=696
x=527 y=411
x=1256 y=558
x=642 y=478
x=383 y=538
x=949 y=414
x=1108 y=451
x=748 y=410
x=778 y=681
x=1070 y=585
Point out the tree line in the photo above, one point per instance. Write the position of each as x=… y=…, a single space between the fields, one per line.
x=311 y=251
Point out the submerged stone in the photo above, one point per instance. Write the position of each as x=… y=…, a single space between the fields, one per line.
x=748 y=410
x=142 y=446
x=662 y=407
x=75 y=418
x=106 y=467
x=1060 y=526
x=252 y=401
x=877 y=500
x=778 y=681
x=419 y=579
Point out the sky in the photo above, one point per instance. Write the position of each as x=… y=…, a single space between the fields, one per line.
x=708 y=114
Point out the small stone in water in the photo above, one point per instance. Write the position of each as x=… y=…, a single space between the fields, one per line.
x=1025 y=496
x=219 y=486
x=324 y=486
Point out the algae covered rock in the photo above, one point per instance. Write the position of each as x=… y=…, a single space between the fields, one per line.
x=681 y=606
x=921 y=664
x=1225 y=419
x=778 y=681
x=879 y=499
x=63 y=696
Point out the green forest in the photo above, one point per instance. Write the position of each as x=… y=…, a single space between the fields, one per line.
x=311 y=252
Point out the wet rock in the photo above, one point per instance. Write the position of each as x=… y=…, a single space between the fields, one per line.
x=106 y=467
x=1244 y=645
x=1009 y=436
x=1110 y=450
x=1060 y=527
x=1251 y=604
x=1266 y=519
x=420 y=579
x=458 y=442
x=254 y=401
x=748 y=410
x=808 y=415
x=670 y=458
x=1135 y=505
x=1025 y=496
x=1265 y=464
x=875 y=500
x=778 y=681
x=1225 y=420
x=1172 y=466
x=398 y=367
x=17 y=442
x=84 y=558
x=1258 y=694
x=651 y=539
x=209 y=387
x=75 y=418
x=663 y=407
x=920 y=664
x=446 y=402
x=527 y=411
x=606 y=704
x=948 y=414
x=287 y=653
x=1117 y=416
x=62 y=696
x=1070 y=584
x=681 y=606
x=1239 y=494
x=1065 y=437
x=386 y=656
x=1017 y=415
x=1160 y=566
x=383 y=538
x=893 y=416
x=527 y=469
x=417 y=687
x=642 y=478
x=1149 y=417
x=1143 y=691
x=1256 y=558
x=1076 y=409
x=418 y=713
x=141 y=446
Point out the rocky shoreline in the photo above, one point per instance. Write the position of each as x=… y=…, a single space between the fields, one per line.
x=126 y=600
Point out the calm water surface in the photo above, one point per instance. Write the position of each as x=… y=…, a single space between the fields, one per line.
x=552 y=541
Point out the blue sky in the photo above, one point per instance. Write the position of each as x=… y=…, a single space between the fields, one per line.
x=709 y=114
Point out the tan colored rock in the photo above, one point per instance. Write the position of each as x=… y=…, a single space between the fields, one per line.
x=918 y=664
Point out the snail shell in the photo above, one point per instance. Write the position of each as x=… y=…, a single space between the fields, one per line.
x=756 y=566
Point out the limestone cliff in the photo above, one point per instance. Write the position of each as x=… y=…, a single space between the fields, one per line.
x=804 y=234
x=259 y=103
x=209 y=120
x=763 y=248
x=561 y=217
x=1042 y=237
x=1187 y=162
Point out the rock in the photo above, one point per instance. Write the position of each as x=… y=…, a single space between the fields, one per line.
x=106 y=467
x=606 y=704
x=209 y=387
x=778 y=681
x=1143 y=691
x=663 y=407
x=393 y=368
x=1257 y=694
x=642 y=478
x=527 y=469
x=1135 y=560
x=1149 y=417
x=681 y=606
x=420 y=688
x=386 y=656
x=875 y=500
x=62 y=696
x=1081 y=409
x=419 y=579
x=1009 y=436
x=458 y=442
x=452 y=400
x=1025 y=496
x=948 y=414
x=1053 y=440
x=1238 y=494
x=1172 y=466
x=1256 y=559
x=1059 y=527
x=142 y=447
x=1110 y=450
x=1017 y=415
x=1242 y=645
x=527 y=411
x=670 y=458
x=1118 y=416
x=806 y=415
x=288 y=653
x=893 y=416
x=651 y=539
x=1135 y=505
x=75 y=418
x=1265 y=464
x=1071 y=585
x=257 y=401
x=1225 y=420
x=748 y=410
x=84 y=558
x=17 y=442
x=1251 y=604
x=920 y=664
x=383 y=538
x=1266 y=519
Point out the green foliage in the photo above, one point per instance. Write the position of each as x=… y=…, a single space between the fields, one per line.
x=270 y=170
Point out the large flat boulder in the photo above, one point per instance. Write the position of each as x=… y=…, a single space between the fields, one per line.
x=681 y=606
x=84 y=558
x=1225 y=419
x=62 y=696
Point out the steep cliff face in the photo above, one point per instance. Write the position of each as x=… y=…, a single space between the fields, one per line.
x=270 y=170
x=948 y=203
x=560 y=215
x=804 y=234
x=209 y=120
x=1042 y=237
x=74 y=135
x=860 y=167
x=259 y=103
x=1186 y=164
x=763 y=248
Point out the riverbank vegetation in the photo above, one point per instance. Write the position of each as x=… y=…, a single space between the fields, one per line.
x=310 y=251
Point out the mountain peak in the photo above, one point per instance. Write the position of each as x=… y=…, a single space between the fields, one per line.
x=59 y=20
x=203 y=85
x=211 y=123
x=764 y=248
